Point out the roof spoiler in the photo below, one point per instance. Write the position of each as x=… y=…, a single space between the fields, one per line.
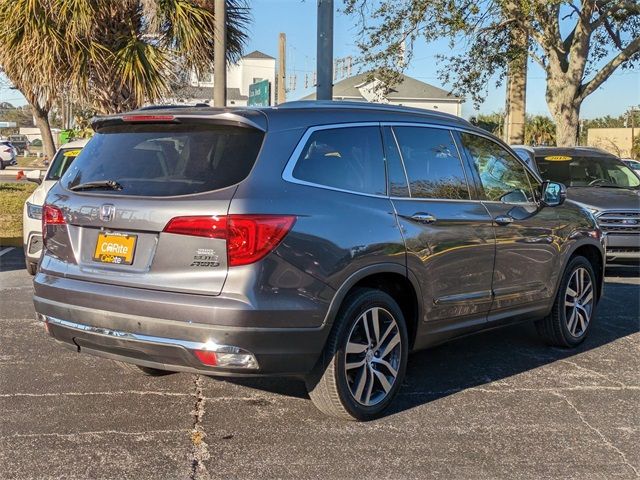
x=223 y=118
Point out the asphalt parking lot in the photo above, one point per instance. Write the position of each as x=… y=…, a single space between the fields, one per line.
x=496 y=405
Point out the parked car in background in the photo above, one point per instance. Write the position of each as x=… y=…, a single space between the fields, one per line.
x=8 y=154
x=632 y=164
x=20 y=142
x=606 y=186
x=526 y=153
x=184 y=240
x=32 y=212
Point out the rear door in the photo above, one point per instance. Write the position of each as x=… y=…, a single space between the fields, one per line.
x=448 y=234
x=127 y=185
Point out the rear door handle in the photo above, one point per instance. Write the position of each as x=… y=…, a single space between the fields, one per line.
x=504 y=219
x=423 y=218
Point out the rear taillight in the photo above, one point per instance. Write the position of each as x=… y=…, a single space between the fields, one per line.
x=8 y=150
x=52 y=216
x=249 y=237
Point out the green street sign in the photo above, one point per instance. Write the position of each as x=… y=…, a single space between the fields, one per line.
x=259 y=94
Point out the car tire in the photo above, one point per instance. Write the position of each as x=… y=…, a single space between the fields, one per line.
x=354 y=379
x=32 y=268
x=148 y=371
x=573 y=311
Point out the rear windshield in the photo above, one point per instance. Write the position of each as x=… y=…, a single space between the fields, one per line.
x=585 y=171
x=166 y=160
x=61 y=162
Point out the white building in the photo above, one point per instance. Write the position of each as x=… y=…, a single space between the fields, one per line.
x=251 y=68
x=409 y=92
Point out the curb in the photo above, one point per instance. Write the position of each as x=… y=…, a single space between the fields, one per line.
x=11 y=242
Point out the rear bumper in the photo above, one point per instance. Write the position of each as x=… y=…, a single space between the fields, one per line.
x=160 y=341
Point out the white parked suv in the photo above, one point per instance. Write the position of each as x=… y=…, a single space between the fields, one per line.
x=8 y=154
x=32 y=212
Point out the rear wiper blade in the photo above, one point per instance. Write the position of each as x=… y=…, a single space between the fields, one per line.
x=108 y=184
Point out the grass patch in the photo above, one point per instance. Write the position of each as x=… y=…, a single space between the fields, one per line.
x=12 y=198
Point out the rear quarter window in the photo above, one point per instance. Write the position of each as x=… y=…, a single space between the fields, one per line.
x=346 y=158
x=166 y=160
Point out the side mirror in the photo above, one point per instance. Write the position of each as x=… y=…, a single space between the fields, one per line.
x=34 y=176
x=553 y=193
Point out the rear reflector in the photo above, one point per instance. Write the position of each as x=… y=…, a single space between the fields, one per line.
x=206 y=357
x=249 y=237
x=148 y=118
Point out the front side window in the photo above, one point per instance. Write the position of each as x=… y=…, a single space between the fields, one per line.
x=347 y=158
x=433 y=166
x=503 y=177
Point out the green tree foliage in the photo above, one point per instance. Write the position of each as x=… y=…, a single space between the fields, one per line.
x=112 y=55
x=597 y=37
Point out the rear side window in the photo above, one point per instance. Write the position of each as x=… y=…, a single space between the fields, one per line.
x=61 y=162
x=347 y=158
x=166 y=160
x=432 y=163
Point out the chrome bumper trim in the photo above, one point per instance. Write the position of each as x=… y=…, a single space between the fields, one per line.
x=228 y=351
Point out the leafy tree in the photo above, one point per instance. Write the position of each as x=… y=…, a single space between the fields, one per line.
x=113 y=55
x=492 y=122
x=602 y=36
x=539 y=130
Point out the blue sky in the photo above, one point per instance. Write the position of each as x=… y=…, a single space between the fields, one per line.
x=297 y=18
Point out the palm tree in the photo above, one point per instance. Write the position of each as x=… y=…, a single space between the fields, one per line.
x=111 y=55
x=540 y=130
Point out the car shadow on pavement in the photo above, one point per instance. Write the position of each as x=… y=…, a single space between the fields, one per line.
x=487 y=358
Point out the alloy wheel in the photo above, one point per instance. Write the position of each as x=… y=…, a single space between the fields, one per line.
x=373 y=354
x=578 y=302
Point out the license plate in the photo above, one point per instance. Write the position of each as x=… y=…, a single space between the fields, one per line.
x=117 y=248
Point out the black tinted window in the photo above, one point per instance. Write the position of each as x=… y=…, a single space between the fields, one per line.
x=165 y=160
x=61 y=162
x=432 y=163
x=583 y=171
x=346 y=158
x=503 y=177
x=397 y=176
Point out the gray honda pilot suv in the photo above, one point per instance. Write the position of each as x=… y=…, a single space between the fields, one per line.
x=323 y=240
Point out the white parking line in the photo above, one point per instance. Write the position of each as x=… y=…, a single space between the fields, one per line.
x=6 y=250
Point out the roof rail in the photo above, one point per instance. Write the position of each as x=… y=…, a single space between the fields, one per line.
x=369 y=106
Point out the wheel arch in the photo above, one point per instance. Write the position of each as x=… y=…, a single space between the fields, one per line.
x=391 y=278
x=592 y=251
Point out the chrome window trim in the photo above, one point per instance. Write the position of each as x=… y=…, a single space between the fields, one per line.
x=287 y=173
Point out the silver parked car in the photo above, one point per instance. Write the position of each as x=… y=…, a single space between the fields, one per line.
x=324 y=240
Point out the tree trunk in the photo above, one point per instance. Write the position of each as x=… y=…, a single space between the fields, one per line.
x=515 y=109
x=564 y=105
x=42 y=122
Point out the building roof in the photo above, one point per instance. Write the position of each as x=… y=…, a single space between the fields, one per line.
x=201 y=93
x=258 y=54
x=406 y=89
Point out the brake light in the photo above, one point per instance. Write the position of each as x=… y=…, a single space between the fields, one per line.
x=8 y=150
x=52 y=216
x=148 y=118
x=249 y=237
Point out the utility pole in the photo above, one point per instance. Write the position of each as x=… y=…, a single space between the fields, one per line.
x=282 y=53
x=324 y=56
x=220 y=54
x=515 y=108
